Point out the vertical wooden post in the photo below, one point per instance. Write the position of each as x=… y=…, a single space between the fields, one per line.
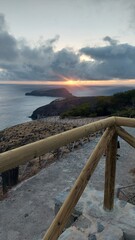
x=9 y=178
x=66 y=209
x=110 y=171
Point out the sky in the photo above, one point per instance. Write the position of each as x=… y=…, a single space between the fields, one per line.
x=82 y=41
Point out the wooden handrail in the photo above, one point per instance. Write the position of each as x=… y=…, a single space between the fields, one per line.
x=18 y=156
x=123 y=121
x=126 y=136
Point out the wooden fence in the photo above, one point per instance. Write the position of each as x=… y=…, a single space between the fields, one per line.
x=108 y=142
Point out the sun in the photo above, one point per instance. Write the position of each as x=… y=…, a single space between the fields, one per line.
x=70 y=82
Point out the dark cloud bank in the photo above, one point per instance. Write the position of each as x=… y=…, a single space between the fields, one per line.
x=20 y=61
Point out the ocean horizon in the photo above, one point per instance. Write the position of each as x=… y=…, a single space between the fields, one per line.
x=16 y=107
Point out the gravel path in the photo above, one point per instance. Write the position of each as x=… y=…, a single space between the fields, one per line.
x=29 y=208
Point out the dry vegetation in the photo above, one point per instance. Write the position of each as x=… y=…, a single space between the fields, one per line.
x=22 y=134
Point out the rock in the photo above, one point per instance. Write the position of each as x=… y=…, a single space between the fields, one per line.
x=100 y=227
x=72 y=234
x=122 y=216
x=92 y=237
x=111 y=233
x=82 y=223
x=65 y=150
x=98 y=224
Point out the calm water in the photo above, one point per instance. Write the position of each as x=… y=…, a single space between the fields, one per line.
x=15 y=107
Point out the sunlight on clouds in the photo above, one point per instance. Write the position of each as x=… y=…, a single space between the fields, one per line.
x=84 y=58
x=2 y=70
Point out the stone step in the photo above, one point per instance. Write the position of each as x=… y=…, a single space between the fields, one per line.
x=92 y=222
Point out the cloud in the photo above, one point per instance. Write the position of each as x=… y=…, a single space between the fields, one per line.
x=65 y=62
x=49 y=42
x=8 y=44
x=20 y=61
x=114 y=61
x=131 y=18
x=3 y=25
x=110 y=40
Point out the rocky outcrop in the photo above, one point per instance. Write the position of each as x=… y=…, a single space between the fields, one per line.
x=110 y=233
x=58 y=92
x=57 y=107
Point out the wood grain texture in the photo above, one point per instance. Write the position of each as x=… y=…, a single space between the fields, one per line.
x=110 y=170
x=18 y=156
x=123 y=121
x=65 y=211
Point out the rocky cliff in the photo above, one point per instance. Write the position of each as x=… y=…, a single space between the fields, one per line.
x=59 y=106
x=120 y=104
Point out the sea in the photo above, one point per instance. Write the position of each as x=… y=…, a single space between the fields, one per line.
x=16 y=107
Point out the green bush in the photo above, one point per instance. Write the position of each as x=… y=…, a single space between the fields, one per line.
x=128 y=112
x=120 y=104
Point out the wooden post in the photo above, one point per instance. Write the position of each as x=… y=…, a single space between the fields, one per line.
x=110 y=170
x=9 y=178
x=66 y=209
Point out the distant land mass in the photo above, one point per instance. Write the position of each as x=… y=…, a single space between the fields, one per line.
x=58 y=92
x=119 y=104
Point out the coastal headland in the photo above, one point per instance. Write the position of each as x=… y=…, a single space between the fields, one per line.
x=119 y=104
x=58 y=92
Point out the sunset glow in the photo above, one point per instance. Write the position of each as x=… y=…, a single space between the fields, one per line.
x=74 y=82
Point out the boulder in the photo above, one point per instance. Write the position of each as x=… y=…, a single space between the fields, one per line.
x=72 y=234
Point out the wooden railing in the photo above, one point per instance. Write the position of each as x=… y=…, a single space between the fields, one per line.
x=108 y=142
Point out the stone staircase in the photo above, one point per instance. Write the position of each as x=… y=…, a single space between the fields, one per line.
x=89 y=221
